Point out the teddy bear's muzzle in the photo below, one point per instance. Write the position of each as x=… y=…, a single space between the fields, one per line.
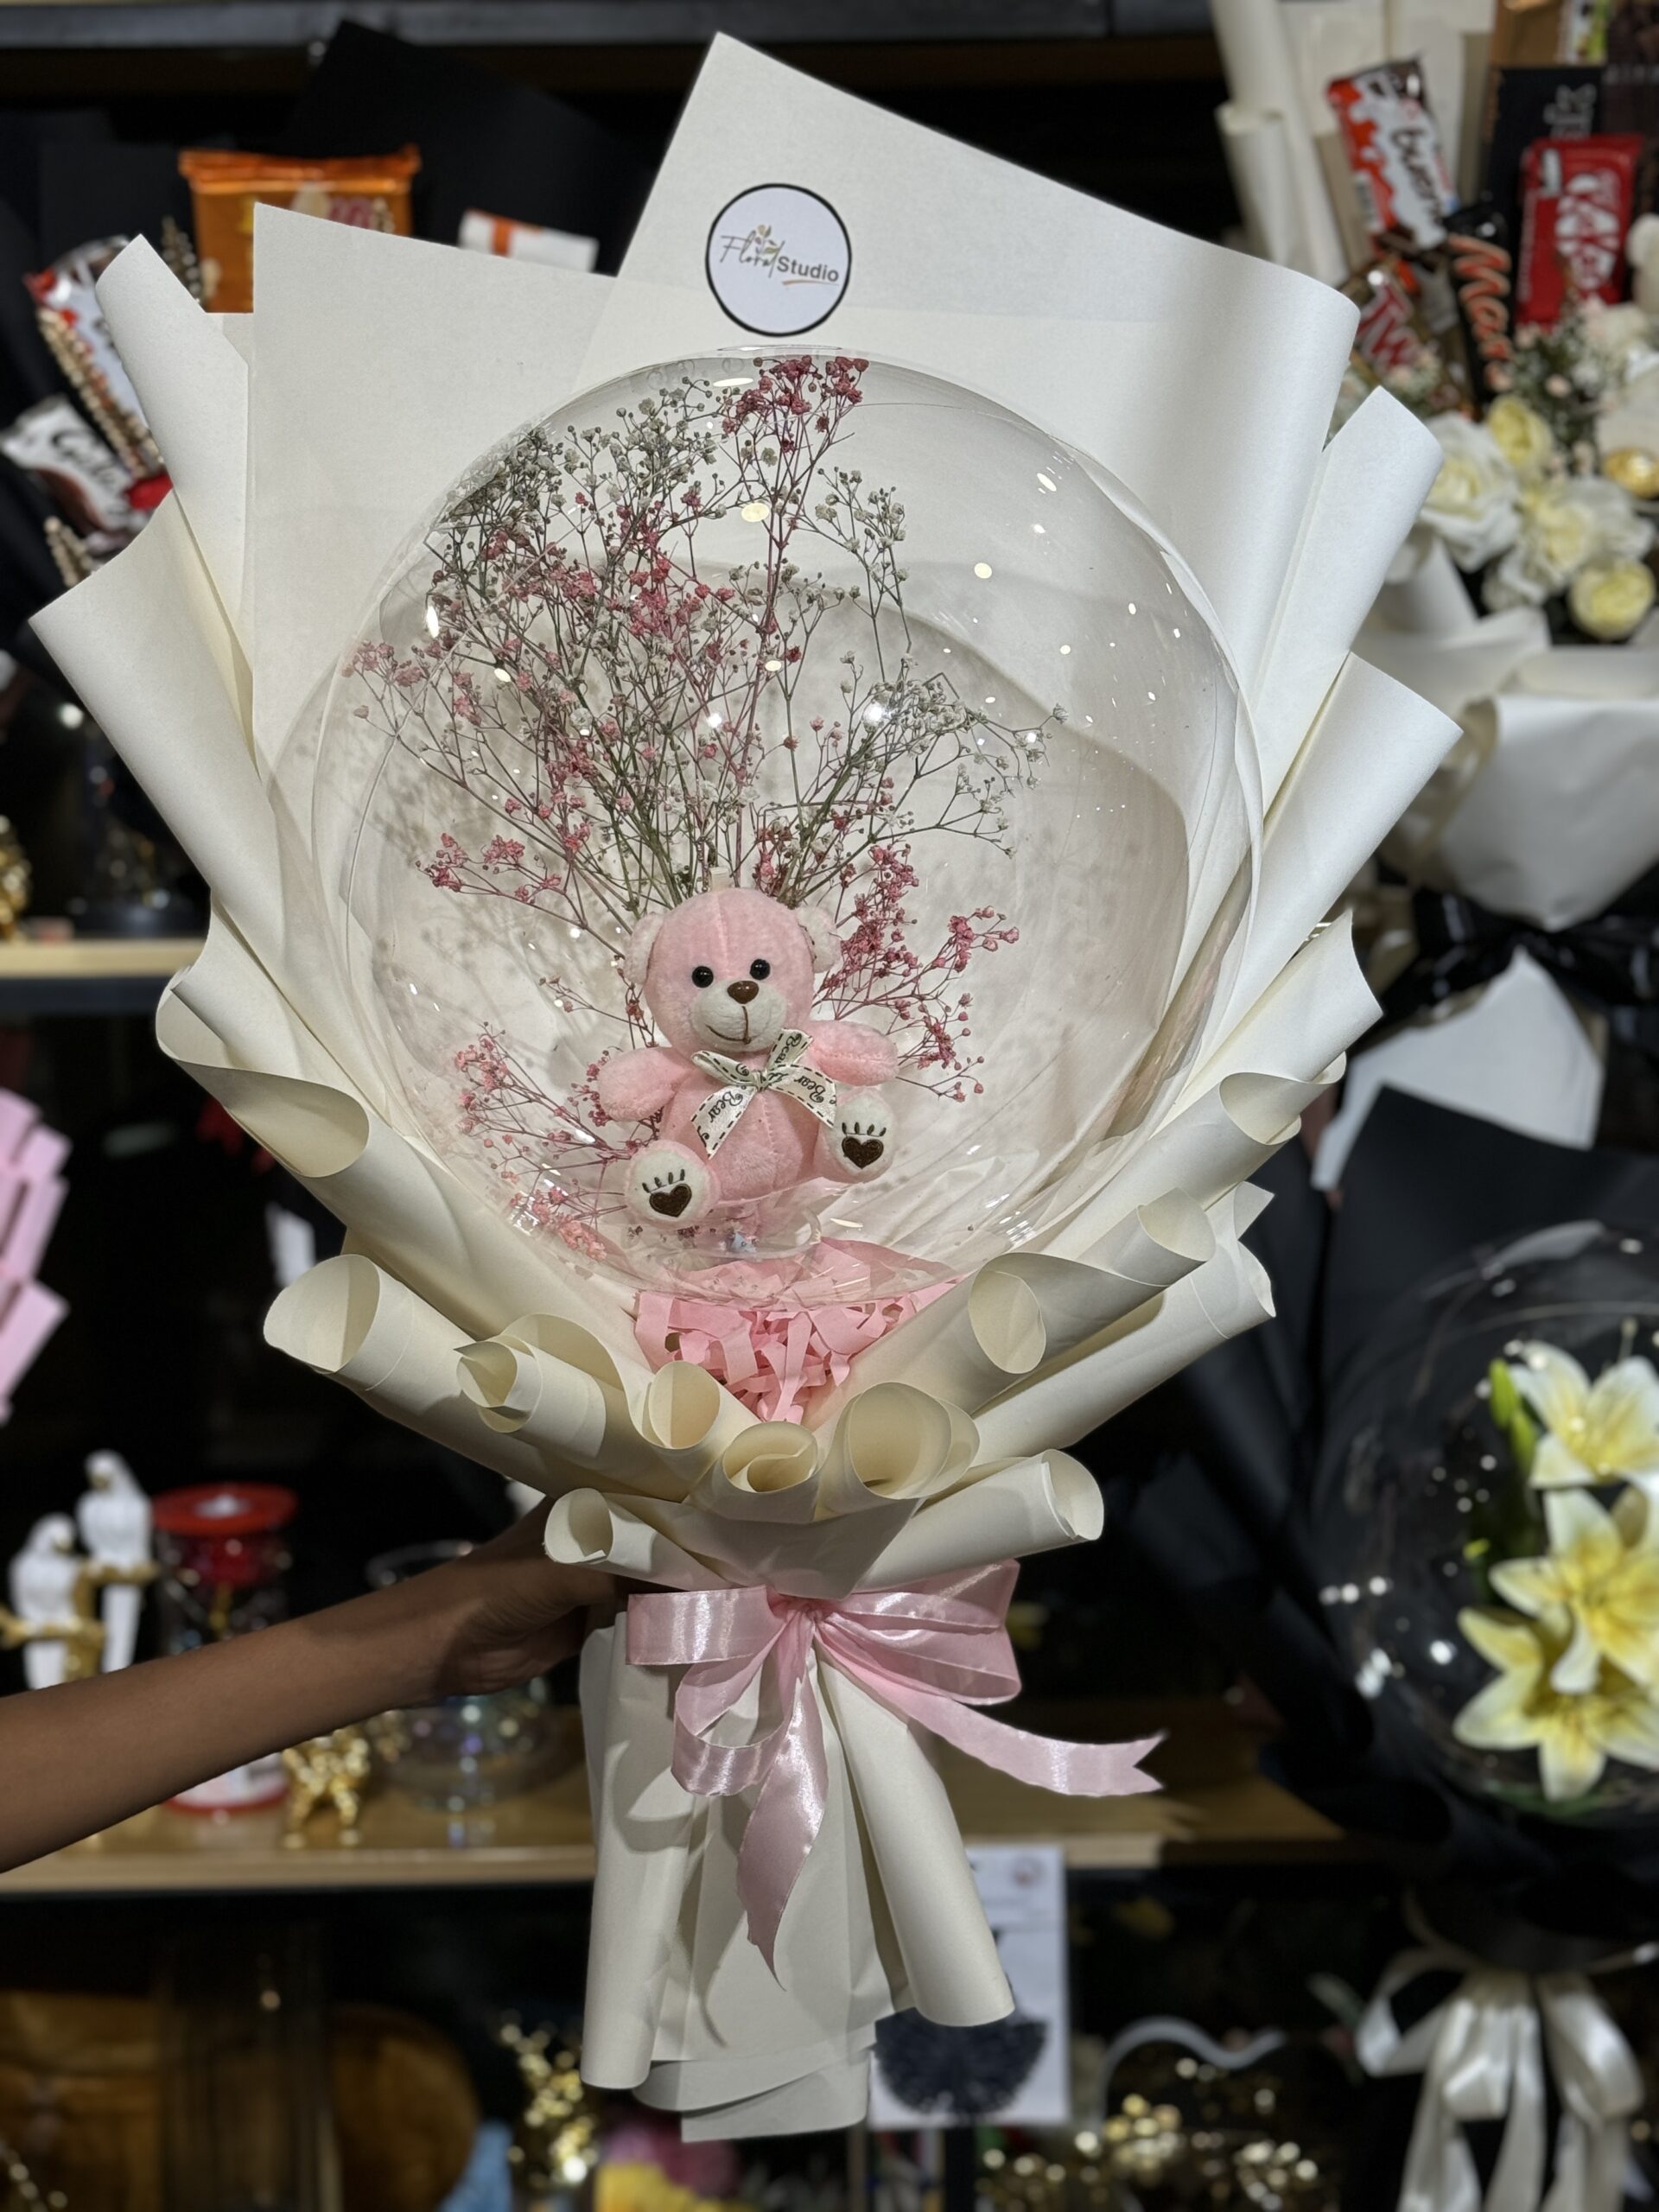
x=742 y=1016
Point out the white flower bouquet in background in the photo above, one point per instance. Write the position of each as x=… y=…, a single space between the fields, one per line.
x=476 y=779
x=1534 y=552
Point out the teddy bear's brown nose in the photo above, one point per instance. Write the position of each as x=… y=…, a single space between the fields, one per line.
x=743 y=991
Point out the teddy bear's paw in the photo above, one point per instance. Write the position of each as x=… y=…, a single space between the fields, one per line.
x=668 y=1188
x=863 y=1140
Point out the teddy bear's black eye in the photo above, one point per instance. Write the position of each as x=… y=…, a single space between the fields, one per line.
x=760 y=969
x=702 y=977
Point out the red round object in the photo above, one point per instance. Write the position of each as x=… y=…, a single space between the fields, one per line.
x=146 y=495
x=214 y=1509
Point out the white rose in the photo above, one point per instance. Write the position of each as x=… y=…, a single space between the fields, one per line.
x=1471 y=503
x=1621 y=533
x=1609 y=599
x=1566 y=526
x=1520 y=435
x=1559 y=533
x=1514 y=583
x=1619 y=336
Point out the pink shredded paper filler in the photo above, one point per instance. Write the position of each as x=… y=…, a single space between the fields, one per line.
x=773 y=1357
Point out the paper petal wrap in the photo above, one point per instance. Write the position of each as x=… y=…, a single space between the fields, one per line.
x=305 y=440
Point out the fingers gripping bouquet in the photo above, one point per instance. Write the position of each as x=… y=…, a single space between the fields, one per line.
x=783 y=932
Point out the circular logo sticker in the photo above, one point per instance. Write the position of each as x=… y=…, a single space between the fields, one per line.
x=779 y=259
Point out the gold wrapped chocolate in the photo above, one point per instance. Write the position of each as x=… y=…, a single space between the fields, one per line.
x=16 y=879
x=1635 y=470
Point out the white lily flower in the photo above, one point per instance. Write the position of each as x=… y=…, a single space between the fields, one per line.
x=1604 y=1431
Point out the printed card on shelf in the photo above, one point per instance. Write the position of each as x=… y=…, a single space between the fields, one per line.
x=1020 y=2067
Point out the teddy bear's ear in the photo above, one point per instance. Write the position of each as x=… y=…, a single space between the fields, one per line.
x=823 y=936
x=637 y=958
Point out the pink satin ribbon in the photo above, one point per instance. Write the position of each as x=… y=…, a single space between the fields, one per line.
x=930 y=1654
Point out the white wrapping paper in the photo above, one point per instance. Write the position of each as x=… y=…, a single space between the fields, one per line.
x=1548 y=807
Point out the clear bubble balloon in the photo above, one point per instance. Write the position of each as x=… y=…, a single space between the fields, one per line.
x=742 y=701
x=1493 y=1579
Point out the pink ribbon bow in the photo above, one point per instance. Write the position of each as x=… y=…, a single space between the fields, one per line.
x=929 y=1654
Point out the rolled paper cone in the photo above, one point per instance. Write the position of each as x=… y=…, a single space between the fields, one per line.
x=1228 y=1295
x=938 y=1923
x=567 y=1412
x=643 y=1823
x=1306 y=1019
x=350 y=1320
x=1372 y=479
x=1373 y=747
x=576 y=1345
x=1156 y=1246
x=824 y=1558
x=586 y=1529
x=1036 y=1504
x=689 y=1418
x=1021 y=1311
x=503 y=1381
x=965 y=1348
x=1257 y=154
x=769 y=1472
x=1218 y=1140
x=1260 y=74
x=1239 y=1211
x=402 y=1208
x=894 y=1446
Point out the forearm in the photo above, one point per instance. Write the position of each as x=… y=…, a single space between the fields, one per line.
x=75 y=1759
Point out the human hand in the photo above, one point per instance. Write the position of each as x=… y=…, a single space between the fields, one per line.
x=503 y=1612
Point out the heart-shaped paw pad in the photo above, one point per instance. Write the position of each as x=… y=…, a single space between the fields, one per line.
x=675 y=1199
x=864 y=1152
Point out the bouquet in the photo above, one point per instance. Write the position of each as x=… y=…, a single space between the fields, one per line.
x=1533 y=496
x=783 y=926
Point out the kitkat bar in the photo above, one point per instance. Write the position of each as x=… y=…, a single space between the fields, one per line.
x=1576 y=200
x=1394 y=150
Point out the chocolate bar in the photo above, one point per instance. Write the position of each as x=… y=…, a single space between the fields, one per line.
x=71 y=462
x=1576 y=197
x=66 y=302
x=1482 y=269
x=1393 y=341
x=1393 y=150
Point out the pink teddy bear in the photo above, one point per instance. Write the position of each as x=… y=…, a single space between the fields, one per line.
x=755 y=1098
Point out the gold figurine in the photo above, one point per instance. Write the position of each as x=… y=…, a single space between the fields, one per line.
x=329 y=1770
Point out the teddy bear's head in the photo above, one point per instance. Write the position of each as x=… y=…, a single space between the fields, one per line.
x=728 y=970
